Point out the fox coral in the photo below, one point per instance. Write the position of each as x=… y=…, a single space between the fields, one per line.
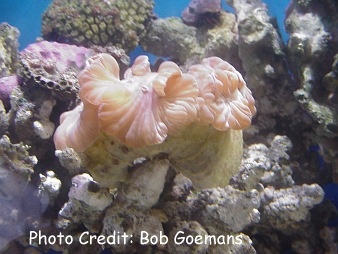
x=195 y=118
x=78 y=128
x=145 y=106
x=224 y=99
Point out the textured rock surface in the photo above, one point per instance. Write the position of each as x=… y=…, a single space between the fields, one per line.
x=8 y=49
x=53 y=66
x=105 y=23
x=219 y=210
x=7 y=84
x=202 y=214
x=282 y=208
x=4 y=119
x=16 y=168
x=266 y=166
x=228 y=209
x=138 y=188
x=312 y=47
x=263 y=57
x=48 y=189
x=171 y=38
x=313 y=60
x=286 y=212
x=202 y=12
x=86 y=202
x=70 y=160
x=17 y=165
x=30 y=119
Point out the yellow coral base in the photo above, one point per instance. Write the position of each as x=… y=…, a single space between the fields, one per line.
x=207 y=156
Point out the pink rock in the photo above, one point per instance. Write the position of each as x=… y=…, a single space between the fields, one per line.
x=63 y=56
x=204 y=6
x=200 y=12
x=54 y=66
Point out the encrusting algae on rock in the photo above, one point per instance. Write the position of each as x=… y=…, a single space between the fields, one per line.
x=193 y=119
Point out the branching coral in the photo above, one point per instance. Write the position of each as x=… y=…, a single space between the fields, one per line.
x=195 y=118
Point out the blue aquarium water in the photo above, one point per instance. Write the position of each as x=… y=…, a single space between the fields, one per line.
x=26 y=15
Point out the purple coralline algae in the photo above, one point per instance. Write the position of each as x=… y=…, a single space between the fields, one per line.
x=53 y=66
x=202 y=11
x=7 y=84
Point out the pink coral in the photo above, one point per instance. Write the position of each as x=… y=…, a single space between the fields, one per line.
x=224 y=99
x=145 y=107
x=79 y=128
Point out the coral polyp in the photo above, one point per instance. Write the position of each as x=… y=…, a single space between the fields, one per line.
x=105 y=23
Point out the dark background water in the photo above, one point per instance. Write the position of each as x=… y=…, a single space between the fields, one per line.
x=26 y=15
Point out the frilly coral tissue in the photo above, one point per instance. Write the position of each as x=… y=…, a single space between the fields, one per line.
x=224 y=99
x=79 y=127
x=145 y=107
